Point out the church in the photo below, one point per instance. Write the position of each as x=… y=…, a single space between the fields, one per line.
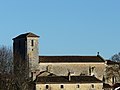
x=58 y=72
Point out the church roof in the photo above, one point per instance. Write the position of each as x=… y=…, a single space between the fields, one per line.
x=54 y=59
x=26 y=35
x=65 y=79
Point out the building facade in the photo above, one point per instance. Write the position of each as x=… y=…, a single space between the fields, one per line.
x=68 y=83
x=57 y=72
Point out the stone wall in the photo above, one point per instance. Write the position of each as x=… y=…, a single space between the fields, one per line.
x=32 y=52
x=84 y=86
x=62 y=69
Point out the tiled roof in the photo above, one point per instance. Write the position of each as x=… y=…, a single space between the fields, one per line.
x=109 y=62
x=26 y=35
x=65 y=79
x=105 y=85
x=54 y=59
x=116 y=85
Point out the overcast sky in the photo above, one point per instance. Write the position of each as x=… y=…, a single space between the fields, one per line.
x=65 y=27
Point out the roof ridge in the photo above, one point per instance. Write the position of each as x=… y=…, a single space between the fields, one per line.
x=69 y=59
x=64 y=79
x=24 y=35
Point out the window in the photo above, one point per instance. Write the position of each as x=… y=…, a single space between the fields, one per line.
x=89 y=70
x=113 y=80
x=92 y=86
x=61 y=86
x=78 y=86
x=92 y=71
x=32 y=42
x=47 y=86
x=93 y=68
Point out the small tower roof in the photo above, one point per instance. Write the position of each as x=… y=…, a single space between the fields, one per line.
x=26 y=35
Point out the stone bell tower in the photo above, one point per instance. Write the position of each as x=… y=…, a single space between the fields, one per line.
x=26 y=52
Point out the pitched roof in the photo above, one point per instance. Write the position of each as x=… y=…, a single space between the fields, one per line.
x=54 y=59
x=109 y=62
x=116 y=85
x=65 y=79
x=105 y=85
x=26 y=35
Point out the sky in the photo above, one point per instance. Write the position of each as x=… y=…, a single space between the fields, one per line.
x=65 y=27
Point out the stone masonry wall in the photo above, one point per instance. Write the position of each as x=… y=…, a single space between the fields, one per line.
x=62 y=69
x=85 y=86
x=32 y=52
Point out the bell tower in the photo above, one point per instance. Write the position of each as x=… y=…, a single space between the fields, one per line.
x=26 y=52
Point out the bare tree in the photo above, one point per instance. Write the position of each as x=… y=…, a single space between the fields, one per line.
x=116 y=67
x=5 y=60
x=17 y=79
x=6 y=68
x=21 y=74
x=113 y=69
x=116 y=57
x=113 y=73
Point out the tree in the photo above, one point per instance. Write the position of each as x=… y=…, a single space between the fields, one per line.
x=113 y=73
x=13 y=76
x=6 y=68
x=5 y=60
x=113 y=69
x=21 y=73
x=116 y=57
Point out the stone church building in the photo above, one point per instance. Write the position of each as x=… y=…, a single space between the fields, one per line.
x=58 y=72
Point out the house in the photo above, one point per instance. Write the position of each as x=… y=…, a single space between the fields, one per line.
x=68 y=83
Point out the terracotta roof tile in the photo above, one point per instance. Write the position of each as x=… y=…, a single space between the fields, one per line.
x=105 y=85
x=65 y=79
x=54 y=59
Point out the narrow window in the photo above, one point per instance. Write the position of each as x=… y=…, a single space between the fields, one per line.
x=93 y=68
x=92 y=71
x=47 y=86
x=78 y=86
x=89 y=70
x=32 y=42
x=113 y=80
x=92 y=86
x=62 y=86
